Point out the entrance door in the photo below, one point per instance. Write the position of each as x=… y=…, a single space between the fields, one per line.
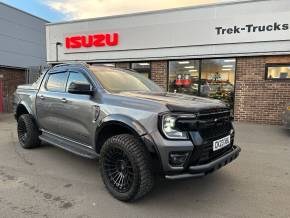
x=1 y=96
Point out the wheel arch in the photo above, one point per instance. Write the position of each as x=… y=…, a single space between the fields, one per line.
x=22 y=109
x=114 y=125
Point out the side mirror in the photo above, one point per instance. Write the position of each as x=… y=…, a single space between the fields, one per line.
x=80 y=88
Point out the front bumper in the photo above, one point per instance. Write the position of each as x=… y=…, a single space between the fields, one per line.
x=204 y=169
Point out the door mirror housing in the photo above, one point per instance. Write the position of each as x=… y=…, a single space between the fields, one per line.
x=80 y=88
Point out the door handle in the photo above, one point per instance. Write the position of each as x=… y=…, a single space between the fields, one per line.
x=64 y=100
x=41 y=97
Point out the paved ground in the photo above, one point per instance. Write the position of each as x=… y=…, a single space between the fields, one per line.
x=49 y=182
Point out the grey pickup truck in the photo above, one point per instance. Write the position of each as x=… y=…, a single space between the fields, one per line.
x=135 y=129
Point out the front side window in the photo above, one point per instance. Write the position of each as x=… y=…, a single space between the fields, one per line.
x=115 y=80
x=75 y=77
x=56 y=82
x=278 y=71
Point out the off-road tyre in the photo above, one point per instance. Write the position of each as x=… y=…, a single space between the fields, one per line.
x=138 y=162
x=28 y=133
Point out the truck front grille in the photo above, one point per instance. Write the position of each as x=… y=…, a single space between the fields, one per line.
x=217 y=131
x=212 y=114
x=216 y=124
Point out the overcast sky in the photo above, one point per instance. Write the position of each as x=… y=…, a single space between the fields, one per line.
x=59 y=10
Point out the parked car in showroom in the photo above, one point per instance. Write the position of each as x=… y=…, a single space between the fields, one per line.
x=286 y=116
x=135 y=128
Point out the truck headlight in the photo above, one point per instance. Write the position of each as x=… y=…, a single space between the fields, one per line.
x=168 y=128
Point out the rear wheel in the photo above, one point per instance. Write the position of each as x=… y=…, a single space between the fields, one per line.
x=126 y=168
x=28 y=133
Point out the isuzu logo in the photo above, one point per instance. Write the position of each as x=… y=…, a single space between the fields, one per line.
x=92 y=40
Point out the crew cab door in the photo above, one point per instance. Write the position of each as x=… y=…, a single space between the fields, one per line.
x=78 y=111
x=48 y=101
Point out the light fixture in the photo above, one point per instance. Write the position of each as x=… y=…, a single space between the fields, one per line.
x=189 y=67
x=183 y=62
x=227 y=66
x=192 y=71
x=226 y=69
x=229 y=60
x=144 y=64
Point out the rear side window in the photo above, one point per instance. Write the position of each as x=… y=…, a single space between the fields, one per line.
x=56 y=82
x=75 y=77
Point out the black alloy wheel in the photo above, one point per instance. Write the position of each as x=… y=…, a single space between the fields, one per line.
x=22 y=131
x=118 y=169
x=28 y=133
x=126 y=169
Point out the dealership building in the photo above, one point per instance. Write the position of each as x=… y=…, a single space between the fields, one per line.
x=22 y=45
x=238 y=52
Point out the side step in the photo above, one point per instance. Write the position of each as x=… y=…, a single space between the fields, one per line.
x=69 y=145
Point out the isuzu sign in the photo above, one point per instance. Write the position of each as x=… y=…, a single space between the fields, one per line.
x=92 y=40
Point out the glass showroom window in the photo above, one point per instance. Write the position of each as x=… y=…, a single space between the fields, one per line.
x=218 y=79
x=143 y=68
x=184 y=76
x=278 y=71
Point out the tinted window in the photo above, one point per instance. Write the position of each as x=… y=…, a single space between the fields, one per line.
x=76 y=78
x=56 y=82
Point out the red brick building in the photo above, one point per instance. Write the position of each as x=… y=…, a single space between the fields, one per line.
x=230 y=51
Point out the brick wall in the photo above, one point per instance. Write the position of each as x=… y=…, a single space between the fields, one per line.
x=11 y=79
x=259 y=100
x=159 y=73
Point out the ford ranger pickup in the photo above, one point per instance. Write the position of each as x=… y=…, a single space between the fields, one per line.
x=135 y=129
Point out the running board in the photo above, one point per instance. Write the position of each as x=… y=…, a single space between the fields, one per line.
x=68 y=145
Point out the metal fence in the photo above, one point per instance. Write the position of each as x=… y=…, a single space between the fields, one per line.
x=34 y=72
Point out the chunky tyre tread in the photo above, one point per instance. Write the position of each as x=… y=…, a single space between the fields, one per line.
x=32 y=132
x=142 y=159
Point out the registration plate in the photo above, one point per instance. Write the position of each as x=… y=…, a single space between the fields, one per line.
x=221 y=143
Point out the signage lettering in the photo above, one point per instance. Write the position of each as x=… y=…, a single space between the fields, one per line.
x=251 y=28
x=92 y=40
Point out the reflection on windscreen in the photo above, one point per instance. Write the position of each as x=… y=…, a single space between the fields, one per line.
x=115 y=80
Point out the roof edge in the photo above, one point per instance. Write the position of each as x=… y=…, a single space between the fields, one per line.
x=24 y=12
x=232 y=2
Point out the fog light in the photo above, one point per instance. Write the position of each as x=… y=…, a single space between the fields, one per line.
x=178 y=159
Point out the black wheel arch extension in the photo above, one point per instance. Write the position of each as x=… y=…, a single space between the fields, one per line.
x=111 y=128
x=20 y=110
x=118 y=124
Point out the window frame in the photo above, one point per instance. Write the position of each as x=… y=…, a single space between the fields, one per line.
x=56 y=72
x=275 y=65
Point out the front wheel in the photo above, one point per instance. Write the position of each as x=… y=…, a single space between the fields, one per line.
x=126 y=167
